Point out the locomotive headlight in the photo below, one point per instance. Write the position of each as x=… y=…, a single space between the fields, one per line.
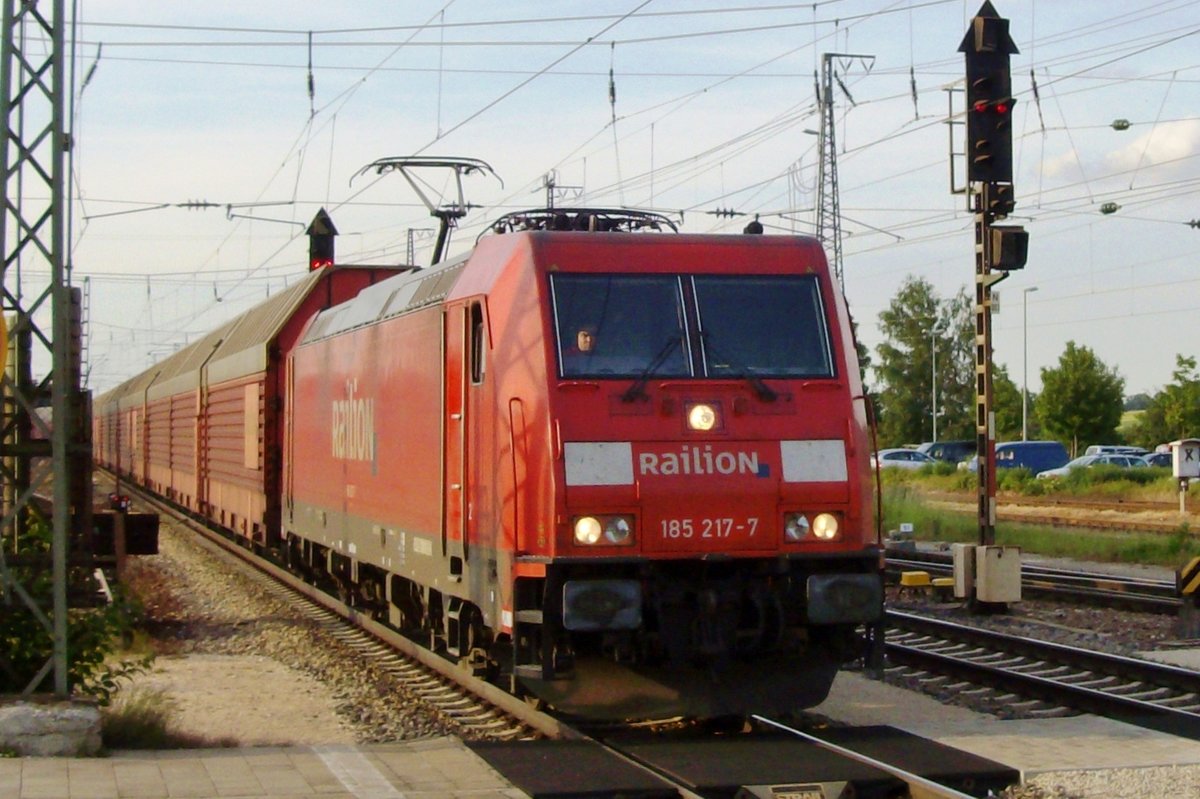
x=795 y=527
x=702 y=417
x=825 y=526
x=588 y=530
x=603 y=530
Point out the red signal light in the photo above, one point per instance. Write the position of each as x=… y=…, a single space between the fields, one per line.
x=1002 y=107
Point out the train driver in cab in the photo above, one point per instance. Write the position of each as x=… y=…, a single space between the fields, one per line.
x=585 y=340
x=575 y=356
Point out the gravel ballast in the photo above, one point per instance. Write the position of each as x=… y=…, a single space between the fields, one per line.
x=244 y=666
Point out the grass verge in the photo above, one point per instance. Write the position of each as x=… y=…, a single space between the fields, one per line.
x=902 y=503
x=141 y=718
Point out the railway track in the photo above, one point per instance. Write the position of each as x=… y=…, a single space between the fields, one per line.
x=1107 y=590
x=1140 y=692
x=493 y=718
x=1106 y=514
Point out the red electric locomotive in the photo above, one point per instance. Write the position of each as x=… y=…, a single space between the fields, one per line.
x=626 y=470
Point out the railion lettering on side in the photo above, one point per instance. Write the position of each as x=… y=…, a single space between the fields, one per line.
x=353 y=426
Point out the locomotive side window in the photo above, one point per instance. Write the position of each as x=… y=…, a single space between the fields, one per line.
x=619 y=325
x=767 y=326
x=478 y=344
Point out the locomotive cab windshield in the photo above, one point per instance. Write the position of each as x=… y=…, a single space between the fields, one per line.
x=707 y=326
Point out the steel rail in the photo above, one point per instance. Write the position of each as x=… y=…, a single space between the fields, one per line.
x=918 y=787
x=1067 y=689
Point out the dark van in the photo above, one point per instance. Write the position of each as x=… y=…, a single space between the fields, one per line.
x=950 y=451
x=1036 y=456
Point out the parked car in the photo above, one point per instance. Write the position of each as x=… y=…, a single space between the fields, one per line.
x=900 y=458
x=1036 y=456
x=1158 y=459
x=1089 y=461
x=1115 y=449
x=951 y=451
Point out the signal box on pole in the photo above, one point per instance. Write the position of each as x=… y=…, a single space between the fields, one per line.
x=987 y=46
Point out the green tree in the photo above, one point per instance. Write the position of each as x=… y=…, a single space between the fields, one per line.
x=1006 y=402
x=1174 y=412
x=927 y=349
x=1081 y=399
x=1138 y=402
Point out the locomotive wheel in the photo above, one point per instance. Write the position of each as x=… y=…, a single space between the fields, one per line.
x=478 y=664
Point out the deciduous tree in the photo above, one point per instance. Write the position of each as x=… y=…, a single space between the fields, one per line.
x=1081 y=399
x=1174 y=412
x=1006 y=402
x=918 y=328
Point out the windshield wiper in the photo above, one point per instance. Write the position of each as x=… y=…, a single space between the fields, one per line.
x=764 y=392
x=638 y=389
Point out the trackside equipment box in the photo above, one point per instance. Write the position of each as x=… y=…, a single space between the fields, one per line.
x=1185 y=458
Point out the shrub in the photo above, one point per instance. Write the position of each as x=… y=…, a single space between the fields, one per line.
x=1014 y=479
x=142 y=719
x=92 y=633
x=138 y=719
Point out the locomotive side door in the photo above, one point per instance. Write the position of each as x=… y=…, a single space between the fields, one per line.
x=456 y=330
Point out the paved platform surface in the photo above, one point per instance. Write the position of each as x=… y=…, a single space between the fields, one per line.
x=1188 y=657
x=442 y=767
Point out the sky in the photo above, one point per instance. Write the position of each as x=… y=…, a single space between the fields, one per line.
x=201 y=154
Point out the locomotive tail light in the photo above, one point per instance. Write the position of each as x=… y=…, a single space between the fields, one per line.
x=603 y=530
x=702 y=417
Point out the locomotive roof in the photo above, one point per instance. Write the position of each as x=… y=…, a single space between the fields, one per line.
x=386 y=298
x=411 y=290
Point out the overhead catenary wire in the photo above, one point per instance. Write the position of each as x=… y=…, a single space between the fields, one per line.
x=677 y=165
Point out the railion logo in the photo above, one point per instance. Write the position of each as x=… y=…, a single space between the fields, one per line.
x=353 y=423
x=701 y=460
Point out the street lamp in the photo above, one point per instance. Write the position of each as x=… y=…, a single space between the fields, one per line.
x=933 y=334
x=1025 y=361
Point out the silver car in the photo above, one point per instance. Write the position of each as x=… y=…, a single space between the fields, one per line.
x=1088 y=461
x=900 y=458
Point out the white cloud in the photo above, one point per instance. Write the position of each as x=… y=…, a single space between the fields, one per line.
x=1160 y=144
x=1065 y=165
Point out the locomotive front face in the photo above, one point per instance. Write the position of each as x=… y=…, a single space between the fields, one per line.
x=710 y=503
x=718 y=413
